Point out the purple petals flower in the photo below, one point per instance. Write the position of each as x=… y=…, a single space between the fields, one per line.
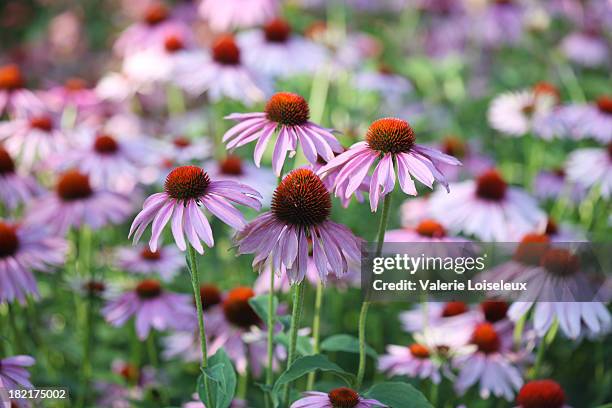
x=339 y=397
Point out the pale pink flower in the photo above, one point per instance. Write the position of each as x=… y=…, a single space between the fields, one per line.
x=227 y=15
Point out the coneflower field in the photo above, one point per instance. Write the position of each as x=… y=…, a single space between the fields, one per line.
x=206 y=203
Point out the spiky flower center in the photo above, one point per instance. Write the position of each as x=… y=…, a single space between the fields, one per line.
x=390 y=135
x=287 y=109
x=552 y=228
x=173 y=43
x=491 y=186
x=541 y=394
x=43 y=123
x=531 y=248
x=604 y=104
x=485 y=338
x=277 y=31
x=419 y=351
x=106 y=144
x=74 y=185
x=237 y=309
x=148 y=289
x=7 y=165
x=231 y=165
x=560 y=262
x=544 y=88
x=75 y=84
x=225 y=51
x=343 y=397
x=187 y=183
x=10 y=77
x=150 y=256
x=9 y=241
x=155 y=14
x=129 y=372
x=301 y=199
x=454 y=146
x=494 y=310
x=454 y=309
x=210 y=295
x=181 y=142
x=431 y=229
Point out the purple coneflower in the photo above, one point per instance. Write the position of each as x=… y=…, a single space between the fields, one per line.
x=487 y=208
x=232 y=167
x=25 y=247
x=592 y=120
x=13 y=372
x=167 y=261
x=473 y=161
x=339 y=397
x=13 y=95
x=501 y=23
x=541 y=393
x=181 y=150
x=391 y=141
x=492 y=364
x=220 y=73
x=226 y=15
x=436 y=315
x=186 y=189
x=73 y=93
x=152 y=307
x=15 y=188
x=413 y=361
x=33 y=135
x=588 y=48
x=277 y=51
x=592 y=168
x=298 y=220
x=385 y=82
x=196 y=403
x=554 y=185
x=288 y=113
x=75 y=203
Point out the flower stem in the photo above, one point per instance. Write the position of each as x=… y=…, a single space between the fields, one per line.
x=316 y=331
x=270 y=370
x=195 y=282
x=296 y=314
x=380 y=239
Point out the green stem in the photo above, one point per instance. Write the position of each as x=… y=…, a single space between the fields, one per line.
x=316 y=331
x=195 y=282
x=296 y=314
x=17 y=345
x=85 y=269
x=271 y=313
x=380 y=240
x=152 y=350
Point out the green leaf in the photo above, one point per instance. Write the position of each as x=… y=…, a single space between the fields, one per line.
x=260 y=306
x=398 y=395
x=303 y=346
x=307 y=364
x=346 y=343
x=222 y=381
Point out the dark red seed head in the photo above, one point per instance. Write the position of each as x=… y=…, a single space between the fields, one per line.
x=494 y=310
x=531 y=248
x=44 y=123
x=156 y=13
x=210 y=295
x=454 y=146
x=277 y=31
x=75 y=84
x=419 y=351
x=7 y=165
x=491 y=186
x=431 y=229
x=454 y=309
x=173 y=43
x=343 y=397
x=485 y=338
x=187 y=183
x=287 y=109
x=9 y=241
x=237 y=309
x=74 y=185
x=560 y=262
x=301 y=199
x=10 y=77
x=231 y=165
x=390 y=135
x=225 y=51
x=149 y=255
x=149 y=289
x=541 y=394
x=106 y=144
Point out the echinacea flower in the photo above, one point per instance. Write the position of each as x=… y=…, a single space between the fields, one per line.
x=472 y=159
x=435 y=315
x=15 y=188
x=501 y=23
x=590 y=120
x=342 y=397
x=413 y=361
x=220 y=74
x=289 y=114
x=73 y=93
x=554 y=185
x=152 y=306
x=26 y=247
x=517 y=113
x=277 y=51
x=180 y=150
x=75 y=202
x=226 y=15
x=167 y=261
x=541 y=393
x=111 y=161
x=33 y=135
x=487 y=208
x=592 y=168
x=391 y=141
x=196 y=403
x=186 y=189
x=14 y=374
x=13 y=94
x=587 y=48
x=492 y=364
x=232 y=167
x=389 y=85
x=298 y=221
